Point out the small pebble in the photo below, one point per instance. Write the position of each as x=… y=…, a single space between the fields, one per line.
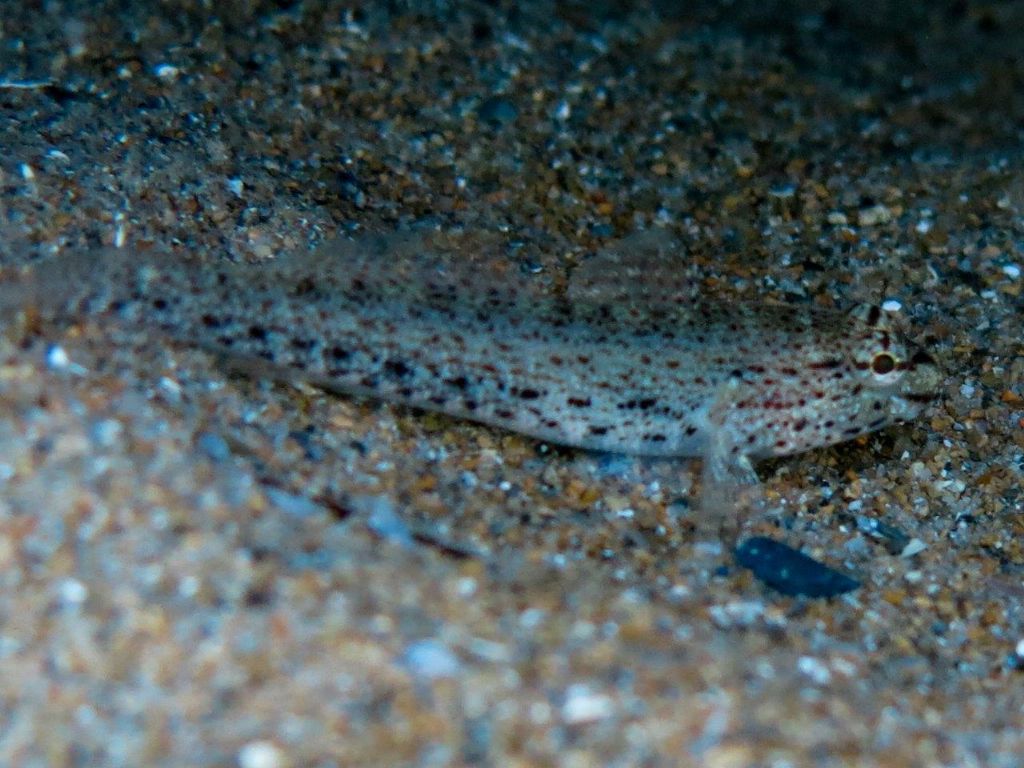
x=497 y=110
x=292 y=504
x=814 y=669
x=383 y=520
x=913 y=547
x=782 y=191
x=430 y=659
x=789 y=571
x=738 y=613
x=260 y=754
x=166 y=71
x=73 y=592
x=876 y=214
x=584 y=706
x=214 y=446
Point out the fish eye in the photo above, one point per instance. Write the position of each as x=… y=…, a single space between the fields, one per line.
x=883 y=363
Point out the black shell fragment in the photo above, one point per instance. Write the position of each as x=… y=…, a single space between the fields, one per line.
x=789 y=571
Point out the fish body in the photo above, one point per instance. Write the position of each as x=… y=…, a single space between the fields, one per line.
x=730 y=383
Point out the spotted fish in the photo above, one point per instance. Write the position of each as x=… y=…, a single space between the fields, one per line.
x=607 y=364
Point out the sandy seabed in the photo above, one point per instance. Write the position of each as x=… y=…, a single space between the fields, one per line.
x=199 y=568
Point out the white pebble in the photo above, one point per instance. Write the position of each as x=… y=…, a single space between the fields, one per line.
x=260 y=754
x=170 y=386
x=814 y=669
x=73 y=592
x=892 y=305
x=107 y=432
x=924 y=226
x=914 y=547
x=120 y=231
x=166 y=71
x=1011 y=270
x=1019 y=650
x=967 y=390
x=57 y=358
x=583 y=706
x=739 y=613
x=876 y=214
x=431 y=659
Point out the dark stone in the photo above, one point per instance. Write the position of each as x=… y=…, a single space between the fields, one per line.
x=789 y=571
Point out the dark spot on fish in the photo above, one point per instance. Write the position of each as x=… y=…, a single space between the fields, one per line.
x=160 y=304
x=599 y=431
x=339 y=353
x=397 y=368
x=257 y=332
x=579 y=402
x=304 y=286
x=529 y=394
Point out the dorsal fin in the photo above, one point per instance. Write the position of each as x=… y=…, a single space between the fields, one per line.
x=645 y=269
x=442 y=270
